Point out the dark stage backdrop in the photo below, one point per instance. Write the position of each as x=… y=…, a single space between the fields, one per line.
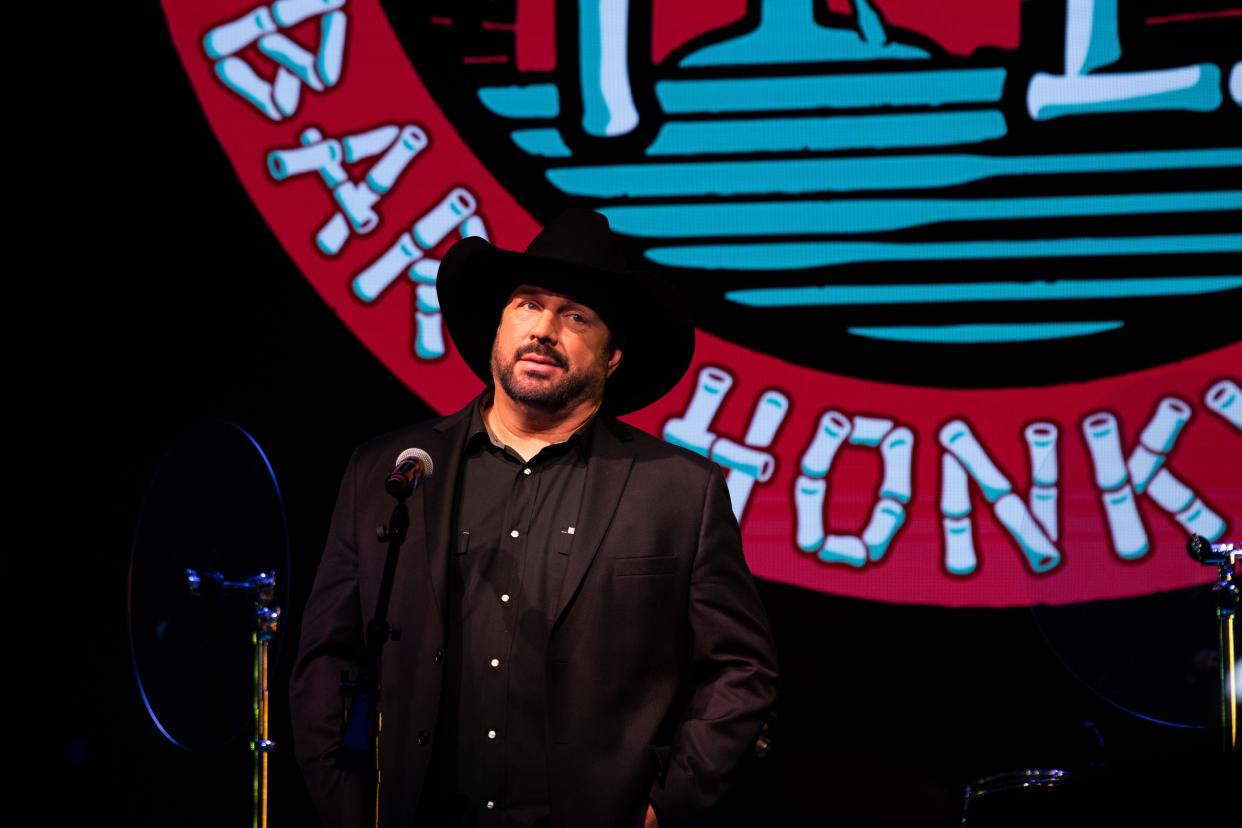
x=911 y=663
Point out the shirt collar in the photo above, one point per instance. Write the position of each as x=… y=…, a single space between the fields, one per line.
x=479 y=430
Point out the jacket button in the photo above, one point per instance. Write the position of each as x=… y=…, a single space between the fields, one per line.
x=423 y=737
x=439 y=656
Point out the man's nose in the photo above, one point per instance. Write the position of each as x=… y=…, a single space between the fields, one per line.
x=546 y=327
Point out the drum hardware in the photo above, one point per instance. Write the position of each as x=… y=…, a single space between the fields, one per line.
x=200 y=642
x=1225 y=557
x=262 y=588
x=1010 y=782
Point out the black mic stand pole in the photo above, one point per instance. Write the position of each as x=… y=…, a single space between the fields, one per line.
x=360 y=739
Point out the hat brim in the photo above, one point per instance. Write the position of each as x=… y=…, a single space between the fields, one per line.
x=648 y=318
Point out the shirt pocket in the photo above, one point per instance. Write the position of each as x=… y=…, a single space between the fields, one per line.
x=648 y=565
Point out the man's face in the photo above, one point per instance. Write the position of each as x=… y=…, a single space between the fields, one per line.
x=551 y=352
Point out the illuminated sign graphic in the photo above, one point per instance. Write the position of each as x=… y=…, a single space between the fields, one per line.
x=966 y=275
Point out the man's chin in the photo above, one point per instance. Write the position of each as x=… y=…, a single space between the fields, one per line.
x=546 y=388
x=538 y=373
x=533 y=384
x=536 y=393
x=550 y=403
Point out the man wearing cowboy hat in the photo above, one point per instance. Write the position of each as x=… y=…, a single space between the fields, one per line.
x=581 y=642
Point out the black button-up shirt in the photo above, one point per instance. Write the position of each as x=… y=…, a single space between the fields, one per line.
x=514 y=529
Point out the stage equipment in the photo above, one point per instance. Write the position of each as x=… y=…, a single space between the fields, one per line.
x=201 y=654
x=1151 y=656
x=1225 y=557
x=1000 y=798
x=364 y=719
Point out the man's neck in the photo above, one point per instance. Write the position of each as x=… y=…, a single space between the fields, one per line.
x=528 y=430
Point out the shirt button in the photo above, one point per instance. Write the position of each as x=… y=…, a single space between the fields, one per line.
x=423 y=737
x=439 y=656
x=491 y=734
x=514 y=533
x=490 y=804
x=505 y=598
x=495 y=662
x=525 y=471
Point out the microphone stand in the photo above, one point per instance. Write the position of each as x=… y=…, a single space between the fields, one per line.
x=1225 y=556
x=360 y=739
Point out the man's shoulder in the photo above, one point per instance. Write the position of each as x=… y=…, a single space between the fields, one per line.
x=429 y=435
x=649 y=448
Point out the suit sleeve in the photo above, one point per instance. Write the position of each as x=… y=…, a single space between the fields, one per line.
x=331 y=644
x=731 y=672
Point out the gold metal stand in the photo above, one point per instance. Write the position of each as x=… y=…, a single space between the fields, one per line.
x=267 y=618
x=1225 y=557
x=1226 y=591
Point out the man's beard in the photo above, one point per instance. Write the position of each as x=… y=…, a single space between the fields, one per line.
x=573 y=386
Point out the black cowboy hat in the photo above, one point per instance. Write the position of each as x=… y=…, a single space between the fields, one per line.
x=579 y=256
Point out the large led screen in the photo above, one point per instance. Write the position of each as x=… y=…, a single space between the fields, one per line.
x=966 y=275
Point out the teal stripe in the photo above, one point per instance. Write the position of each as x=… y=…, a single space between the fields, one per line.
x=926 y=88
x=545 y=142
x=982 y=291
x=793 y=176
x=839 y=132
x=878 y=215
x=787 y=33
x=539 y=100
x=798 y=255
x=960 y=334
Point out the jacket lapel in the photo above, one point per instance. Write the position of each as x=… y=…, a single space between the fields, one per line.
x=608 y=469
x=437 y=494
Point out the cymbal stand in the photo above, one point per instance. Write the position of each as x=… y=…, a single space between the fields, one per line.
x=1225 y=556
x=267 y=620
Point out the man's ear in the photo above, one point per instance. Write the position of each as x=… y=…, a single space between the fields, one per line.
x=614 y=360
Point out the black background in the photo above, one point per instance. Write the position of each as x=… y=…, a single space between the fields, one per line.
x=172 y=303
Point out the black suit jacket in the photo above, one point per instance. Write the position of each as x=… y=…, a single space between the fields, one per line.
x=660 y=666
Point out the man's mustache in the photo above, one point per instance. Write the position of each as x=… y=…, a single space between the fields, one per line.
x=545 y=351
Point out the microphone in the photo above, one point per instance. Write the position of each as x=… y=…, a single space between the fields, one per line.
x=413 y=465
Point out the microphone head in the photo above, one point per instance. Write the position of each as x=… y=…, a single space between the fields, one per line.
x=413 y=465
x=420 y=456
